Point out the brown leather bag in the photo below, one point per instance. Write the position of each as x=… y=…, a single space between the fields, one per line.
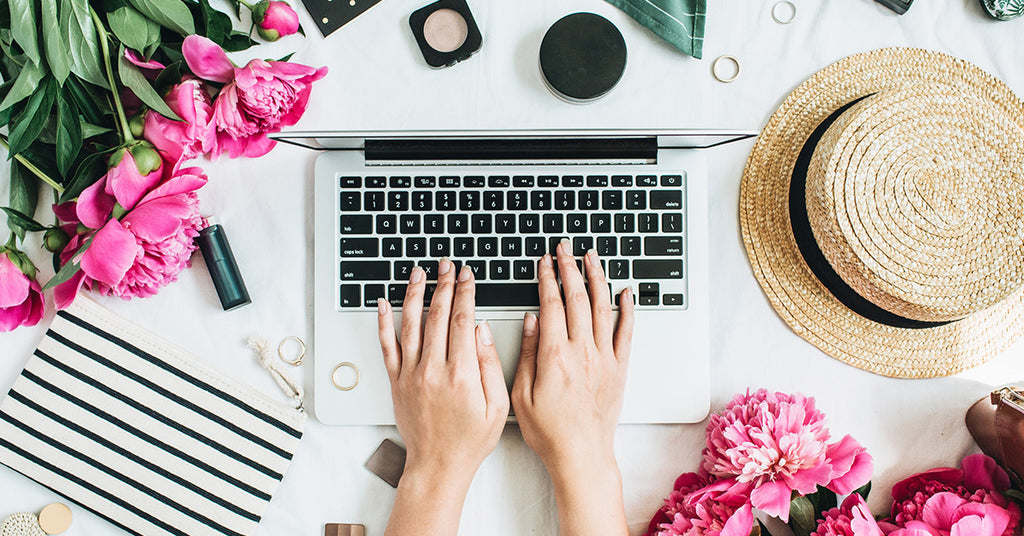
x=997 y=425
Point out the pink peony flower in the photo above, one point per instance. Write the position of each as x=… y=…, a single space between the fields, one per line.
x=183 y=140
x=257 y=99
x=852 y=518
x=693 y=510
x=275 y=19
x=766 y=446
x=135 y=59
x=21 y=297
x=133 y=172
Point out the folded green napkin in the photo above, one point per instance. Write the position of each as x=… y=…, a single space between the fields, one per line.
x=680 y=22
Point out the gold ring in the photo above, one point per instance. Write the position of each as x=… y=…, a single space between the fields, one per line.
x=334 y=377
x=302 y=351
x=718 y=76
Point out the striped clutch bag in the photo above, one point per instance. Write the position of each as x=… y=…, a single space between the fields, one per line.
x=143 y=434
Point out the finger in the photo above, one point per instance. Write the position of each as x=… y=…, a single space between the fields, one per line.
x=624 y=331
x=461 y=339
x=526 y=369
x=600 y=302
x=388 y=340
x=491 y=377
x=552 y=312
x=577 y=303
x=435 y=333
x=412 y=318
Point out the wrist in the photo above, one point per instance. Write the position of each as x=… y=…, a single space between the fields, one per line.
x=594 y=468
x=437 y=476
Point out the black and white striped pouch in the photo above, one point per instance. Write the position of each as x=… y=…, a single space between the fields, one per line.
x=141 y=433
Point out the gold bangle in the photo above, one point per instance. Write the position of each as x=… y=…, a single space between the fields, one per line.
x=302 y=351
x=334 y=377
x=718 y=76
x=775 y=12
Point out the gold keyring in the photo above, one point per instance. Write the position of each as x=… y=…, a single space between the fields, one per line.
x=718 y=76
x=302 y=351
x=784 y=3
x=334 y=378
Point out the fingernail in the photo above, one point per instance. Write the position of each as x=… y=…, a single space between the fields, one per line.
x=546 y=259
x=563 y=244
x=486 y=336
x=417 y=275
x=382 y=306
x=529 y=324
x=444 y=266
x=592 y=258
x=465 y=274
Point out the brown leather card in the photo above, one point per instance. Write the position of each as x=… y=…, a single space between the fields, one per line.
x=388 y=462
x=344 y=529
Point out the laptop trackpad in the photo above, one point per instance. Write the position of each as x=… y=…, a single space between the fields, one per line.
x=508 y=335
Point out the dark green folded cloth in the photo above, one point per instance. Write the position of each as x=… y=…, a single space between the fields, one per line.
x=680 y=22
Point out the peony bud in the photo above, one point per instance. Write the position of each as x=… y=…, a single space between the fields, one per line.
x=147 y=159
x=275 y=19
x=55 y=239
x=22 y=262
x=137 y=124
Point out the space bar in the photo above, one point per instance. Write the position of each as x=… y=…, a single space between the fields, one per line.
x=507 y=294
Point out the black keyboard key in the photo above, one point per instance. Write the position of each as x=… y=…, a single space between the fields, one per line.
x=403 y=270
x=553 y=223
x=350 y=295
x=553 y=245
x=565 y=200
x=473 y=181
x=581 y=245
x=636 y=200
x=666 y=199
x=600 y=223
x=630 y=246
x=350 y=201
x=672 y=180
x=522 y=181
x=517 y=200
x=607 y=246
x=479 y=269
x=445 y=200
x=409 y=224
x=398 y=201
x=625 y=223
x=469 y=200
x=376 y=182
x=422 y=201
x=572 y=181
x=458 y=224
x=365 y=270
x=373 y=201
x=440 y=247
x=481 y=223
x=507 y=294
x=494 y=200
x=576 y=223
x=511 y=246
x=589 y=200
x=649 y=300
x=396 y=294
x=547 y=181
x=646 y=180
x=658 y=269
x=487 y=246
x=401 y=182
x=429 y=269
x=618 y=297
x=391 y=247
x=534 y=246
x=433 y=224
x=529 y=223
x=649 y=289
x=611 y=200
x=371 y=293
x=464 y=247
x=498 y=181
x=672 y=223
x=359 y=247
x=500 y=270
x=647 y=223
x=505 y=223
x=597 y=181
x=540 y=200
x=622 y=180
x=522 y=270
x=663 y=246
x=387 y=224
x=351 y=182
x=415 y=247
x=351 y=224
x=426 y=182
x=618 y=269
x=450 y=182
x=672 y=299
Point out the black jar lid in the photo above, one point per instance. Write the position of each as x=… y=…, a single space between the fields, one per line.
x=582 y=57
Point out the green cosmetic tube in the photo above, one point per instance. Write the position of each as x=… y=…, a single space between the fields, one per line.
x=213 y=242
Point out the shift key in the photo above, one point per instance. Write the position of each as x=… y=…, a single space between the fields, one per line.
x=658 y=269
x=365 y=270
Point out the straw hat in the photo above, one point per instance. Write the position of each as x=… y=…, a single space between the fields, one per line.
x=882 y=209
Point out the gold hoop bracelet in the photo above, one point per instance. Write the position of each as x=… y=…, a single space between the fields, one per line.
x=334 y=376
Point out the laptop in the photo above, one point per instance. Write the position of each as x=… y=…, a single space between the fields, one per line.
x=497 y=201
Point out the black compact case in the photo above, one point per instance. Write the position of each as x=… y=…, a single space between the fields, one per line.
x=436 y=58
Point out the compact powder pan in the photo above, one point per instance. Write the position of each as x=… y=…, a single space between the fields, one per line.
x=445 y=32
x=582 y=57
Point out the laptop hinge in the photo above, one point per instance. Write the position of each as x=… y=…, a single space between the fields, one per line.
x=627 y=150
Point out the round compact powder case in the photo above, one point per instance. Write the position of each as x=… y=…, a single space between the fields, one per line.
x=445 y=32
x=582 y=57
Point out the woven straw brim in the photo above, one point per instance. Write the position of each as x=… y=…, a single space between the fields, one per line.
x=793 y=290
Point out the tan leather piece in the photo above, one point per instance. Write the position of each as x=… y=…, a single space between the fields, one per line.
x=997 y=426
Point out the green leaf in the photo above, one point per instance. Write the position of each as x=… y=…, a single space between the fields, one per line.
x=66 y=272
x=25 y=85
x=23 y=26
x=26 y=126
x=17 y=218
x=91 y=169
x=801 y=516
x=69 y=132
x=89 y=104
x=172 y=14
x=134 y=80
x=133 y=29
x=170 y=76
x=24 y=195
x=79 y=29
x=864 y=490
x=216 y=25
x=238 y=42
x=288 y=57
x=762 y=530
x=57 y=55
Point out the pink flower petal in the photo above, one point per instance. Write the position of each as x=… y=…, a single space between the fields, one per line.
x=851 y=465
x=127 y=185
x=94 y=205
x=740 y=523
x=36 y=301
x=65 y=293
x=982 y=472
x=207 y=60
x=773 y=499
x=157 y=219
x=137 y=60
x=111 y=254
x=14 y=285
x=939 y=509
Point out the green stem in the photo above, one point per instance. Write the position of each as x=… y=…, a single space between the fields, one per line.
x=247 y=4
x=126 y=131
x=12 y=243
x=32 y=167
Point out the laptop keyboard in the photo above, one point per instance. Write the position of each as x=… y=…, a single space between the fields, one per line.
x=501 y=225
